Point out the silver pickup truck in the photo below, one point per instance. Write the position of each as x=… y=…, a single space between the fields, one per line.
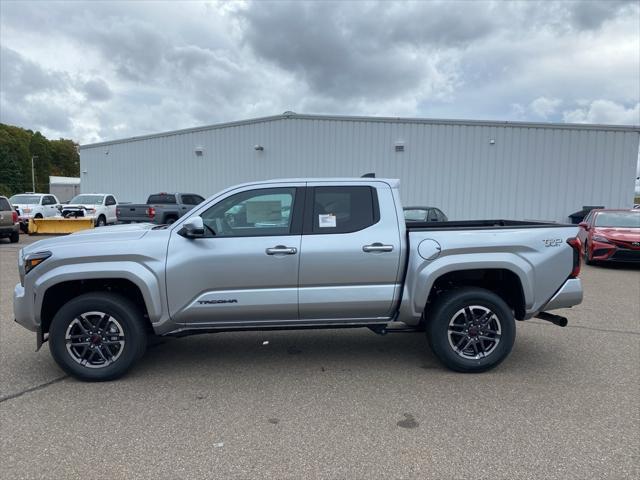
x=295 y=254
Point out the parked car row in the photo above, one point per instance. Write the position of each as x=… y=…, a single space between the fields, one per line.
x=99 y=206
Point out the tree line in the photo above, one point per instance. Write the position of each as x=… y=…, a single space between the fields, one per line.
x=50 y=157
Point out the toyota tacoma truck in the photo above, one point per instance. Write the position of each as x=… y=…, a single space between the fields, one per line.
x=160 y=208
x=295 y=254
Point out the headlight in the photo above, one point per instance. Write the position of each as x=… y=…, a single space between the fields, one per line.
x=32 y=260
x=598 y=238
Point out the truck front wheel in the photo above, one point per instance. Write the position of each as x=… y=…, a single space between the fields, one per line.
x=97 y=336
x=470 y=329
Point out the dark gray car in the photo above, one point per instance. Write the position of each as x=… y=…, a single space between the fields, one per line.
x=424 y=214
x=9 y=226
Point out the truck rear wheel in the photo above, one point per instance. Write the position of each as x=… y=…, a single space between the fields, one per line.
x=97 y=336
x=470 y=329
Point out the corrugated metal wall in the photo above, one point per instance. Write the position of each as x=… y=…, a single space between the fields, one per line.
x=530 y=172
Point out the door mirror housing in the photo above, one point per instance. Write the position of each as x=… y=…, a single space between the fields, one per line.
x=584 y=225
x=192 y=228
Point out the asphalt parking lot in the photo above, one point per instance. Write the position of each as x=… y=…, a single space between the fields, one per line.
x=335 y=404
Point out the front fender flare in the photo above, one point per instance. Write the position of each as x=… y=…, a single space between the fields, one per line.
x=142 y=277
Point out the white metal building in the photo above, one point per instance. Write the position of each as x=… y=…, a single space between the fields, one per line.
x=64 y=188
x=470 y=169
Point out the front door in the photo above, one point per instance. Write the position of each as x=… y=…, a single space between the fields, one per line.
x=245 y=269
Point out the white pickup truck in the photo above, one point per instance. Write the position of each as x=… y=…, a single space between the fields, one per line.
x=295 y=254
x=34 y=205
x=102 y=207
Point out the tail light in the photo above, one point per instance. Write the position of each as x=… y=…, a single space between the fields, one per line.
x=14 y=216
x=577 y=255
x=151 y=212
x=117 y=212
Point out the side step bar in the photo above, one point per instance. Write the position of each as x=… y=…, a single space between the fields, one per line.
x=555 y=319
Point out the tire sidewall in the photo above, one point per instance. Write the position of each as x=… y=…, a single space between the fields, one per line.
x=438 y=328
x=101 y=222
x=124 y=311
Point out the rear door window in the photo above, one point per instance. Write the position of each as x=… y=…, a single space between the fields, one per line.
x=343 y=209
x=4 y=205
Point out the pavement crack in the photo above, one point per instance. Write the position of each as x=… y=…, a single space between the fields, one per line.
x=32 y=389
x=584 y=327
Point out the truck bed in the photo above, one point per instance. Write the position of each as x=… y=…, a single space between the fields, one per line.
x=480 y=225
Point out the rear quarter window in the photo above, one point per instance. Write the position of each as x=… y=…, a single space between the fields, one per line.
x=4 y=204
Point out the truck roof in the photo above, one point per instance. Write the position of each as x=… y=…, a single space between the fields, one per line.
x=392 y=182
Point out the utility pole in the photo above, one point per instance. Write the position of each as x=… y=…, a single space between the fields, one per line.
x=33 y=173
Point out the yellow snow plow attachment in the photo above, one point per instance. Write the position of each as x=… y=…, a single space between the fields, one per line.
x=58 y=225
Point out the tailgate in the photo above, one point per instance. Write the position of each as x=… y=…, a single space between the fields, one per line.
x=132 y=213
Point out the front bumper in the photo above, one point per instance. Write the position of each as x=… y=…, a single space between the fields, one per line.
x=23 y=307
x=570 y=294
x=604 y=252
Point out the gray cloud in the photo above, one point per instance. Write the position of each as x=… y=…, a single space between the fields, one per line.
x=98 y=90
x=96 y=70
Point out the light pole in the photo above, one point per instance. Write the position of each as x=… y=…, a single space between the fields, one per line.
x=33 y=173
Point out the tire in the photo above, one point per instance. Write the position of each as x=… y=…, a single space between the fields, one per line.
x=14 y=237
x=463 y=352
x=170 y=220
x=101 y=222
x=89 y=360
x=38 y=215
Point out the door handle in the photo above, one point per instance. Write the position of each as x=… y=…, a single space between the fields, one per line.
x=281 y=250
x=377 y=247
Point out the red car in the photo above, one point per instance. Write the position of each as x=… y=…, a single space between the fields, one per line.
x=611 y=235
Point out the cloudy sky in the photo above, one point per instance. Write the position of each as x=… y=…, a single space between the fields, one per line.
x=104 y=70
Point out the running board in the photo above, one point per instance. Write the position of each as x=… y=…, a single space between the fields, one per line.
x=395 y=327
x=555 y=319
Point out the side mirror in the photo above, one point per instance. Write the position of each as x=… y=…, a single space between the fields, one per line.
x=584 y=225
x=192 y=228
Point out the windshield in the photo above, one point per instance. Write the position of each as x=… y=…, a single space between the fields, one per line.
x=88 y=199
x=618 y=219
x=415 y=215
x=25 y=199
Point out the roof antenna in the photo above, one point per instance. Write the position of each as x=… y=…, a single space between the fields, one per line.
x=369 y=175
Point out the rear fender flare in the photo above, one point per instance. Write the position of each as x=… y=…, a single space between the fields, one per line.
x=427 y=273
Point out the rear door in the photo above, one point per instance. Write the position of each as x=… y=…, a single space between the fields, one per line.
x=350 y=252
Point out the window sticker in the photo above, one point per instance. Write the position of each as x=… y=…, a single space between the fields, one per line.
x=327 y=221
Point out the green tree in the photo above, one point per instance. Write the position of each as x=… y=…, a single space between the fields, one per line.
x=39 y=149
x=17 y=146
x=65 y=160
